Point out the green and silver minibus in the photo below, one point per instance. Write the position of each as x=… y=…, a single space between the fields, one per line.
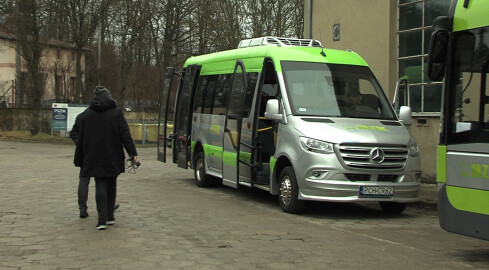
x=294 y=119
x=459 y=52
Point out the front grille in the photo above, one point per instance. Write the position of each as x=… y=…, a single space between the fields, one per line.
x=354 y=177
x=357 y=177
x=359 y=156
x=387 y=178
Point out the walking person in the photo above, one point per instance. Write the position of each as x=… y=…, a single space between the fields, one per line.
x=103 y=134
x=84 y=182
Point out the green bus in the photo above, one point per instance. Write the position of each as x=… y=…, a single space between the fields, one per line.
x=459 y=53
x=292 y=118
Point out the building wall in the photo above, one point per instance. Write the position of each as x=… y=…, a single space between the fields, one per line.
x=426 y=132
x=369 y=27
x=56 y=61
x=7 y=65
x=366 y=27
x=7 y=71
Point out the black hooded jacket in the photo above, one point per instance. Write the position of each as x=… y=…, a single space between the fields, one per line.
x=101 y=133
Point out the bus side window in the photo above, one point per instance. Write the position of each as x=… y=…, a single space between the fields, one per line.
x=210 y=88
x=269 y=89
x=220 y=97
x=200 y=94
x=267 y=128
x=252 y=79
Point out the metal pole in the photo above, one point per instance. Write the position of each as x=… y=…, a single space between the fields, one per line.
x=99 y=54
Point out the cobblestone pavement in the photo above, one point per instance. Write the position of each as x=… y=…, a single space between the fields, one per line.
x=166 y=222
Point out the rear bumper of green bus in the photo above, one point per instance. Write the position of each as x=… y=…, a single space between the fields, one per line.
x=461 y=221
x=461 y=210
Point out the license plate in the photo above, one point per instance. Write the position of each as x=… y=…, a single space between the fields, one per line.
x=377 y=191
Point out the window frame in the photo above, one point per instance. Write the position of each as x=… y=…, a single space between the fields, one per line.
x=425 y=27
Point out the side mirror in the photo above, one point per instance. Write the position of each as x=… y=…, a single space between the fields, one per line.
x=405 y=115
x=402 y=88
x=437 y=51
x=272 y=110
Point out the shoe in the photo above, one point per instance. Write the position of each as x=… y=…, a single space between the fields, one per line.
x=110 y=222
x=83 y=213
x=101 y=227
x=116 y=206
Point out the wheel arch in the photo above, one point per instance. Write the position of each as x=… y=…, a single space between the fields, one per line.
x=196 y=149
x=281 y=163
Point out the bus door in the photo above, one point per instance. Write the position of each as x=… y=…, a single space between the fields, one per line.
x=163 y=122
x=232 y=127
x=183 y=116
x=263 y=130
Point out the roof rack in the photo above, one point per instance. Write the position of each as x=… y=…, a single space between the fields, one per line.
x=278 y=41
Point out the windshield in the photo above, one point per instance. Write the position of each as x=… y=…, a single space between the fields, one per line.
x=332 y=90
x=470 y=109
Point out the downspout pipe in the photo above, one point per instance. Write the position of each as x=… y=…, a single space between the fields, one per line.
x=309 y=19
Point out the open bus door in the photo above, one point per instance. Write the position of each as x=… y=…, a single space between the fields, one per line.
x=163 y=115
x=232 y=127
x=183 y=116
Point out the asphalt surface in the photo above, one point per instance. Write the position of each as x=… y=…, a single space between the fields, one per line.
x=166 y=222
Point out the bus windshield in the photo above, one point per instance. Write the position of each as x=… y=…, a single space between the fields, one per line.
x=333 y=90
x=470 y=111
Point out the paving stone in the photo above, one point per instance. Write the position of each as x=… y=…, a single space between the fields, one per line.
x=166 y=222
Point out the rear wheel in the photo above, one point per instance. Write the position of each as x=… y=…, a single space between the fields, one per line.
x=392 y=207
x=289 y=192
x=201 y=178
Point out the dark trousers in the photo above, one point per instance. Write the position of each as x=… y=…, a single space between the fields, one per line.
x=83 y=193
x=105 y=193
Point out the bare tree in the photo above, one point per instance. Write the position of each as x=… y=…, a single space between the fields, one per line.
x=28 y=28
x=282 y=18
x=58 y=74
x=228 y=24
x=110 y=69
x=140 y=38
x=84 y=17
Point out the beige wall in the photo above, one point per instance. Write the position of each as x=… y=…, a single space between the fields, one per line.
x=55 y=61
x=7 y=62
x=7 y=70
x=427 y=135
x=369 y=27
x=58 y=61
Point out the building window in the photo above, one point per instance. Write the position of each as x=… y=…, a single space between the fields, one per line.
x=415 y=20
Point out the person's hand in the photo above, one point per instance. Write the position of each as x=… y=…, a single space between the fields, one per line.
x=136 y=160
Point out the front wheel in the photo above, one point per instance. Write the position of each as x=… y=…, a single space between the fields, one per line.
x=289 y=192
x=392 y=207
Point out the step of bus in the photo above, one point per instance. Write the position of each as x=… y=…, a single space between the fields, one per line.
x=261 y=181
x=263 y=187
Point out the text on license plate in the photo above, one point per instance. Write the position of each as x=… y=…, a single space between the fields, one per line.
x=376 y=191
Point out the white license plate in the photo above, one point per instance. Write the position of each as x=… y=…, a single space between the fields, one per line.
x=377 y=191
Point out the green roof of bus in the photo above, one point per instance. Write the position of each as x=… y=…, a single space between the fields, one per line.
x=474 y=16
x=224 y=62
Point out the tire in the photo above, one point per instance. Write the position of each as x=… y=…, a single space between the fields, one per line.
x=392 y=207
x=289 y=192
x=201 y=178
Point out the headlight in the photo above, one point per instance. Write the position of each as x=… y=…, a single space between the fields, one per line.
x=413 y=150
x=316 y=145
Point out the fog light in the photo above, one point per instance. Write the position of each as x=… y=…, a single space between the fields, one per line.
x=316 y=173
